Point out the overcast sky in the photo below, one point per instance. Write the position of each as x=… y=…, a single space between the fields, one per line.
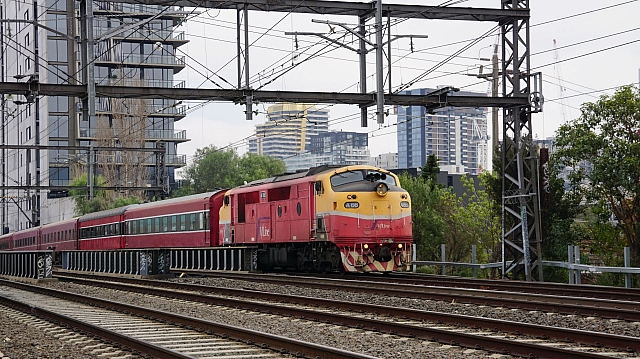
x=212 y=38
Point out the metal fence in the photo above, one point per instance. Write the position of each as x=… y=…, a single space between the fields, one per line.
x=143 y=262
x=29 y=264
x=226 y=258
x=573 y=265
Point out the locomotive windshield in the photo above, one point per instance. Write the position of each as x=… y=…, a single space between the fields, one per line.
x=339 y=179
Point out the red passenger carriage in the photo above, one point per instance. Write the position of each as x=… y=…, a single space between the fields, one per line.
x=6 y=243
x=102 y=230
x=26 y=240
x=60 y=236
x=178 y=222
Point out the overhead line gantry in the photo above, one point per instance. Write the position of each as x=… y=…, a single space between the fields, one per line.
x=521 y=96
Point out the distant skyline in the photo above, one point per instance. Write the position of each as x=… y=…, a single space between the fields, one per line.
x=614 y=62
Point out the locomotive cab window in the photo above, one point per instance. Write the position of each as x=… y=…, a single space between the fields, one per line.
x=343 y=178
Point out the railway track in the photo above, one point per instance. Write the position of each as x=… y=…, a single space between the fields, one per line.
x=466 y=331
x=590 y=307
x=582 y=290
x=156 y=333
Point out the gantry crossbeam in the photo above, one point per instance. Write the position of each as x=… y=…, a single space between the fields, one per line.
x=21 y=88
x=349 y=8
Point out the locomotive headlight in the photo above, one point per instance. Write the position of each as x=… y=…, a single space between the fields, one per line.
x=400 y=245
x=404 y=204
x=351 y=205
x=382 y=189
x=366 y=246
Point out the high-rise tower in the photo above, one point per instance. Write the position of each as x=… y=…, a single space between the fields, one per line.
x=288 y=129
x=457 y=136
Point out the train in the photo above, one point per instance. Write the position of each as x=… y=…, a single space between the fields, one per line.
x=327 y=219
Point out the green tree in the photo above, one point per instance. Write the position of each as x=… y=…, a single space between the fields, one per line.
x=101 y=199
x=431 y=169
x=428 y=223
x=80 y=195
x=601 y=152
x=440 y=217
x=216 y=168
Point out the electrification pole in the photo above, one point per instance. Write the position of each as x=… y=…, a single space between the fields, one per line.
x=35 y=205
x=3 y=109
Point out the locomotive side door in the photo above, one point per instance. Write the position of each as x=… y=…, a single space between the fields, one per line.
x=273 y=217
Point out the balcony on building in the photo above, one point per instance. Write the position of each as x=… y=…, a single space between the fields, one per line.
x=164 y=135
x=148 y=159
x=139 y=60
x=134 y=10
x=176 y=38
x=148 y=83
x=177 y=111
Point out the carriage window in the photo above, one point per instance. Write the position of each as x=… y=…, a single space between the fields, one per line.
x=183 y=222
x=199 y=220
x=156 y=225
x=174 y=223
x=206 y=220
x=149 y=226
x=165 y=224
x=192 y=222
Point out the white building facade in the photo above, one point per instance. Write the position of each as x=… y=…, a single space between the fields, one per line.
x=140 y=56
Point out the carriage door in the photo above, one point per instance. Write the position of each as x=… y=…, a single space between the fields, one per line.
x=204 y=223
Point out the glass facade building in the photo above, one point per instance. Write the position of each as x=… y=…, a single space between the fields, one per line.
x=332 y=148
x=143 y=55
x=457 y=136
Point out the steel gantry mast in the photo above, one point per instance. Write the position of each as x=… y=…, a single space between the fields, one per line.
x=521 y=250
x=521 y=94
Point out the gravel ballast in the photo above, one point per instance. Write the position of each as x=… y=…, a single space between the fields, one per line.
x=611 y=326
x=355 y=340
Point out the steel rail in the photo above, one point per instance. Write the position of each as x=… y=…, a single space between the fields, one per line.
x=626 y=343
x=582 y=290
x=106 y=334
x=285 y=345
x=553 y=304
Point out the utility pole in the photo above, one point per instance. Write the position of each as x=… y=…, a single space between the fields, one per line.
x=494 y=77
x=35 y=208
x=494 y=93
x=90 y=171
x=3 y=109
x=379 y=71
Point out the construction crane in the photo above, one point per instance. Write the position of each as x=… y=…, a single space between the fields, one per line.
x=558 y=73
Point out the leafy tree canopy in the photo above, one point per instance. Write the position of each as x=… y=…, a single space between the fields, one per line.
x=600 y=151
x=216 y=168
x=439 y=217
x=101 y=199
x=431 y=169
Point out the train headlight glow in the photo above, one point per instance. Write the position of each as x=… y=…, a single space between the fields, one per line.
x=404 y=204
x=382 y=189
x=366 y=246
x=351 y=205
x=400 y=245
